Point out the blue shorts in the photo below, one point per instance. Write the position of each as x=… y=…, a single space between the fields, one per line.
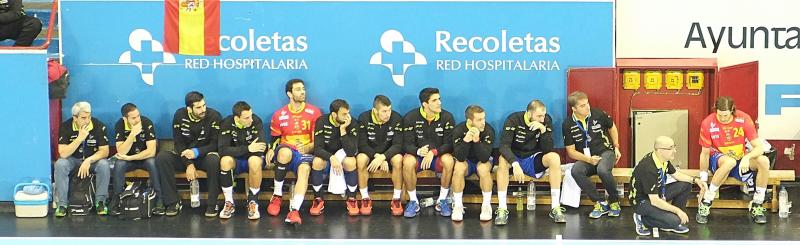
x=747 y=177
x=242 y=166
x=532 y=165
x=297 y=158
x=436 y=164
x=472 y=166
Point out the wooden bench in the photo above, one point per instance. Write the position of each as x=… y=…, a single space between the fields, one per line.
x=621 y=175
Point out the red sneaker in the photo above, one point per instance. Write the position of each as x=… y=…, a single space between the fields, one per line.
x=352 y=207
x=293 y=218
x=274 y=207
x=397 y=207
x=317 y=206
x=366 y=206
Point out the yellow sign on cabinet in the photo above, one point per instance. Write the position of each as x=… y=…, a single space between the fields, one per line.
x=674 y=79
x=652 y=79
x=631 y=79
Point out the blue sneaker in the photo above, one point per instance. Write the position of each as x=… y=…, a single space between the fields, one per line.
x=599 y=210
x=412 y=208
x=444 y=208
x=640 y=228
x=681 y=229
x=615 y=210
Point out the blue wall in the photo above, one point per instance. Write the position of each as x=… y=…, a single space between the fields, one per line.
x=340 y=39
x=25 y=128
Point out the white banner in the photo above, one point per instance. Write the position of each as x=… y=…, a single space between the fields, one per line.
x=734 y=32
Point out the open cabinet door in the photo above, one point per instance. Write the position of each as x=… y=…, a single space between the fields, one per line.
x=598 y=83
x=740 y=82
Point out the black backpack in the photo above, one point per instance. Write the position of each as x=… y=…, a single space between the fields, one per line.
x=81 y=195
x=137 y=201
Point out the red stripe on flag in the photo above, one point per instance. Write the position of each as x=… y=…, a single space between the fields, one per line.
x=171 y=20
x=212 y=11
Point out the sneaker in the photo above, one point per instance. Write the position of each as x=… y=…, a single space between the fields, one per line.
x=486 y=212
x=501 y=217
x=396 y=207
x=158 y=210
x=352 y=207
x=457 y=214
x=101 y=208
x=681 y=229
x=317 y=206
x=444 y=208
x=212 y=211
x=557 y=214
x=61 y=211
x=757 y=213
x=173 y=210
x=252 y=210
x=366 y=206
x=615 y=210
x=227 y=210
x=412 y=208
x=599 y=210
x=274 y=207
x=293 y=218
x=640 y=228
x=702 y=212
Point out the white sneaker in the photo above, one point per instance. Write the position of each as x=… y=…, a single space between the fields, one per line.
x=458 y=213
x=486 y=212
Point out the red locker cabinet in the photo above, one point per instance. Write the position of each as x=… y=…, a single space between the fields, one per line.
x=605 y=89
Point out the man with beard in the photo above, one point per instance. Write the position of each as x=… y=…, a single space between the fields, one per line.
x=292 y=131
x=195 y=129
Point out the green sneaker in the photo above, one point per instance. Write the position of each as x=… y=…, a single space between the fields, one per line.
x=557 y=214
x=703 y=210
x=61 y=211
x=615 y=210
x=599 y=210
x=757 y=213
x=101 y=208
x=501 y=216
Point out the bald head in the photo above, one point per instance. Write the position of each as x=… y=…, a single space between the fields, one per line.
x=663 y=142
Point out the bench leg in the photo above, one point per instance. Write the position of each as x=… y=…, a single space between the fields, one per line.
x=774 y=202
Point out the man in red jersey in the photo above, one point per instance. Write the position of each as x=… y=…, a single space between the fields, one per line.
x=292 y=130
x=723 y=136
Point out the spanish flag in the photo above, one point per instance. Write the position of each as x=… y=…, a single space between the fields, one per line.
x=191 y=27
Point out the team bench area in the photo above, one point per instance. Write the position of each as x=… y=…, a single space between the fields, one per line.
x=621 y=175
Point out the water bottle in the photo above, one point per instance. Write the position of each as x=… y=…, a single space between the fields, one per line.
x=518 y=196
x=531 y=196
x=426 y=202
x=783 y=203
x=621 y=189
x=194 y=187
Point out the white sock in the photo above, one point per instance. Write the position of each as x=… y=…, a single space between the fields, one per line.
x=364 y=193
x=396 y=194
x=711 y=193
x=351 y=188
x=228 y=192
x=759 y=196
x=278 y=188
x=443 y=193
x=501 y=197
x=457 y=198
x=412 y=195
x=316 y=187
x=555 y=198
x=255 y=191
x=604 y=202
x=487 y=198
x=297 y=200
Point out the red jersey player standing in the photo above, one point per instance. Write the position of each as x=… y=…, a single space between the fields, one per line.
x=292 y=130
x=723 y=136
